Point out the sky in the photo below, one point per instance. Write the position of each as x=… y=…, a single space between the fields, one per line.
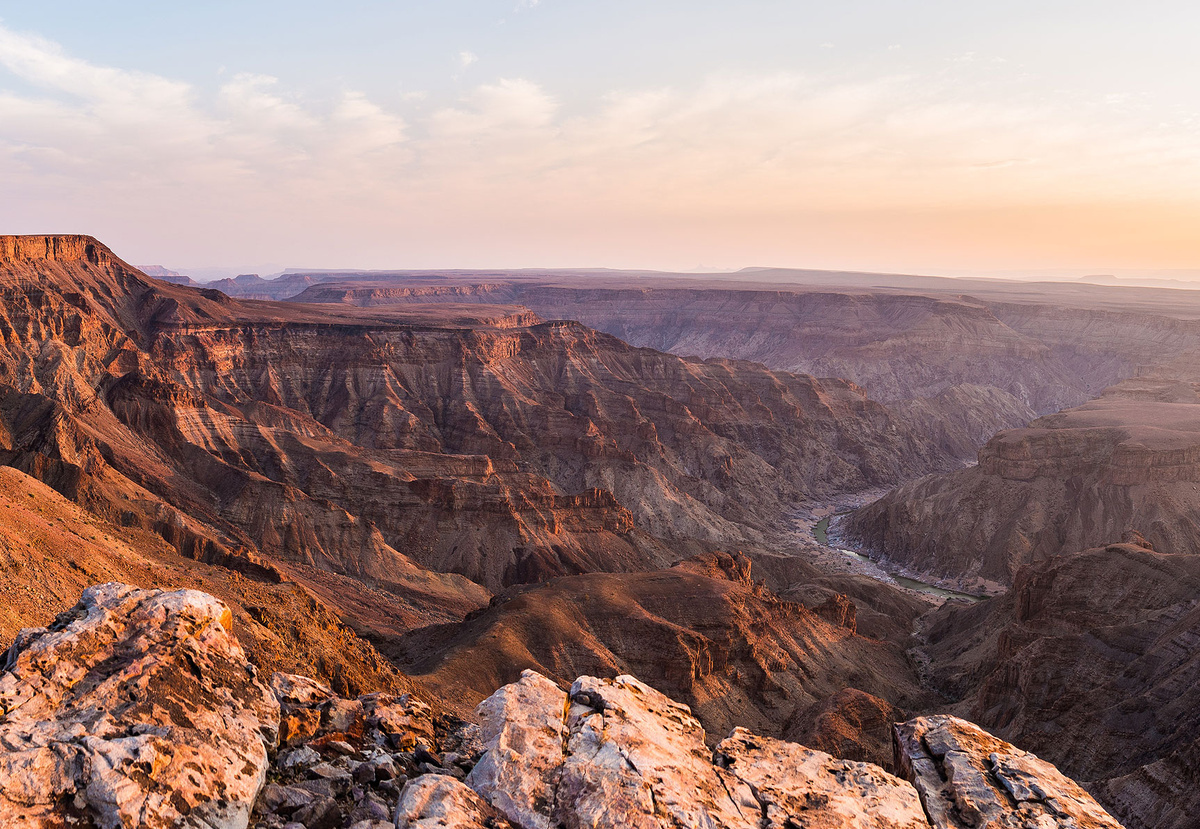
x=911 y=136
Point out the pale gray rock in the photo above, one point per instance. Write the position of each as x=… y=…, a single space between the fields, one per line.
x=624 y=755
x=435 y=801
x=637 y=758
x=968 y=779
x=136 y=708
x=299 y=758
x=523 y=731
x=797 y=786
x=299 y=691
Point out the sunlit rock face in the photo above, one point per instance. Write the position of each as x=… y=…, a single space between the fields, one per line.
x=138 y=708
x=615 y=753
x=134 y=708
x=384 y=442
x=967 y=778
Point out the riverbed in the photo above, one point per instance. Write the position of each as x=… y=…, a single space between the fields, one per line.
x=821 y=534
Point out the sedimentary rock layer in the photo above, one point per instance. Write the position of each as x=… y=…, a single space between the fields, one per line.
x=382 y=443
x=1125 y=463
x=1091 y=661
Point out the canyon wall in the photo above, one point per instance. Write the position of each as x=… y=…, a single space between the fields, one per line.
x=1126 y=463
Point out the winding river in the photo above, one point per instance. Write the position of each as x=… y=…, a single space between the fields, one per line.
x=821 y=534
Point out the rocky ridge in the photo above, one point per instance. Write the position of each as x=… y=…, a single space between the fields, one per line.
x=706 y=633
x=139 y=708
x=965 y=358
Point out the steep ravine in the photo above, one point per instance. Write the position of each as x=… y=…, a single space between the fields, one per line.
x=1123 y=466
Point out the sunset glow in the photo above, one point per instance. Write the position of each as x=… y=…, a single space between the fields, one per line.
x=877 y=135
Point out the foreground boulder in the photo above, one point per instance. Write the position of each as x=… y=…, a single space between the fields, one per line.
x=134 y=708
x=967 y=778
x=137 y=708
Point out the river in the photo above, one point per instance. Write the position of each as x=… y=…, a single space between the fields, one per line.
x=821 y=534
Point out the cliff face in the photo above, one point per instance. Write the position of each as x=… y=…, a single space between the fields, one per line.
x=1126 y=462
x=379 y=442
x=1090 y=661
x=967 y=366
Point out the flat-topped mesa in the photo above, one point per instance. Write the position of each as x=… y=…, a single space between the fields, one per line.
x=1115 y=456
x=64 y=247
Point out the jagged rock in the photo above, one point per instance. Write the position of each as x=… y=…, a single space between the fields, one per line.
x=135 y=708
x=635 y=757
x=968 y=778
x=623 y=754
x=435 y=801
x=626 y=755
x=403 y=715
x=300 y=758
x=283 y=800
x=524 y=731
x=297 y=727
x=298 y=691
x=797 y=786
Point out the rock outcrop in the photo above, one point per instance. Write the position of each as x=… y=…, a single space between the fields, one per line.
x=135 y=708
x=138 y=708
x=967 y=778
x=1091 y=661
x=705 y=633
x=617 y=753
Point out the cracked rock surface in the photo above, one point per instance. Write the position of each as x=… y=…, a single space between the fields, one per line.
x=137 y=708
x=134 y=708
x=617 y=753
x=968 y=778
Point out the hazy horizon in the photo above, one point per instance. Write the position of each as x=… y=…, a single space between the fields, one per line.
x=939 y=139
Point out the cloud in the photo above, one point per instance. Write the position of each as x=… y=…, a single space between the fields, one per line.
x=465 y=59
x=103 y=144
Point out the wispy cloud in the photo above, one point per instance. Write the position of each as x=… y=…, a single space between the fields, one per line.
x=508 y=154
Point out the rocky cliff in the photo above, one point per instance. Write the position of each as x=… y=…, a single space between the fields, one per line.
x=1127 y=462
x=139 y=708
x=1091 y=661
x=966 y=364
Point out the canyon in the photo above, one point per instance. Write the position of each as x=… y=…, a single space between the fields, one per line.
x=1122 y=466
x=434 y=485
